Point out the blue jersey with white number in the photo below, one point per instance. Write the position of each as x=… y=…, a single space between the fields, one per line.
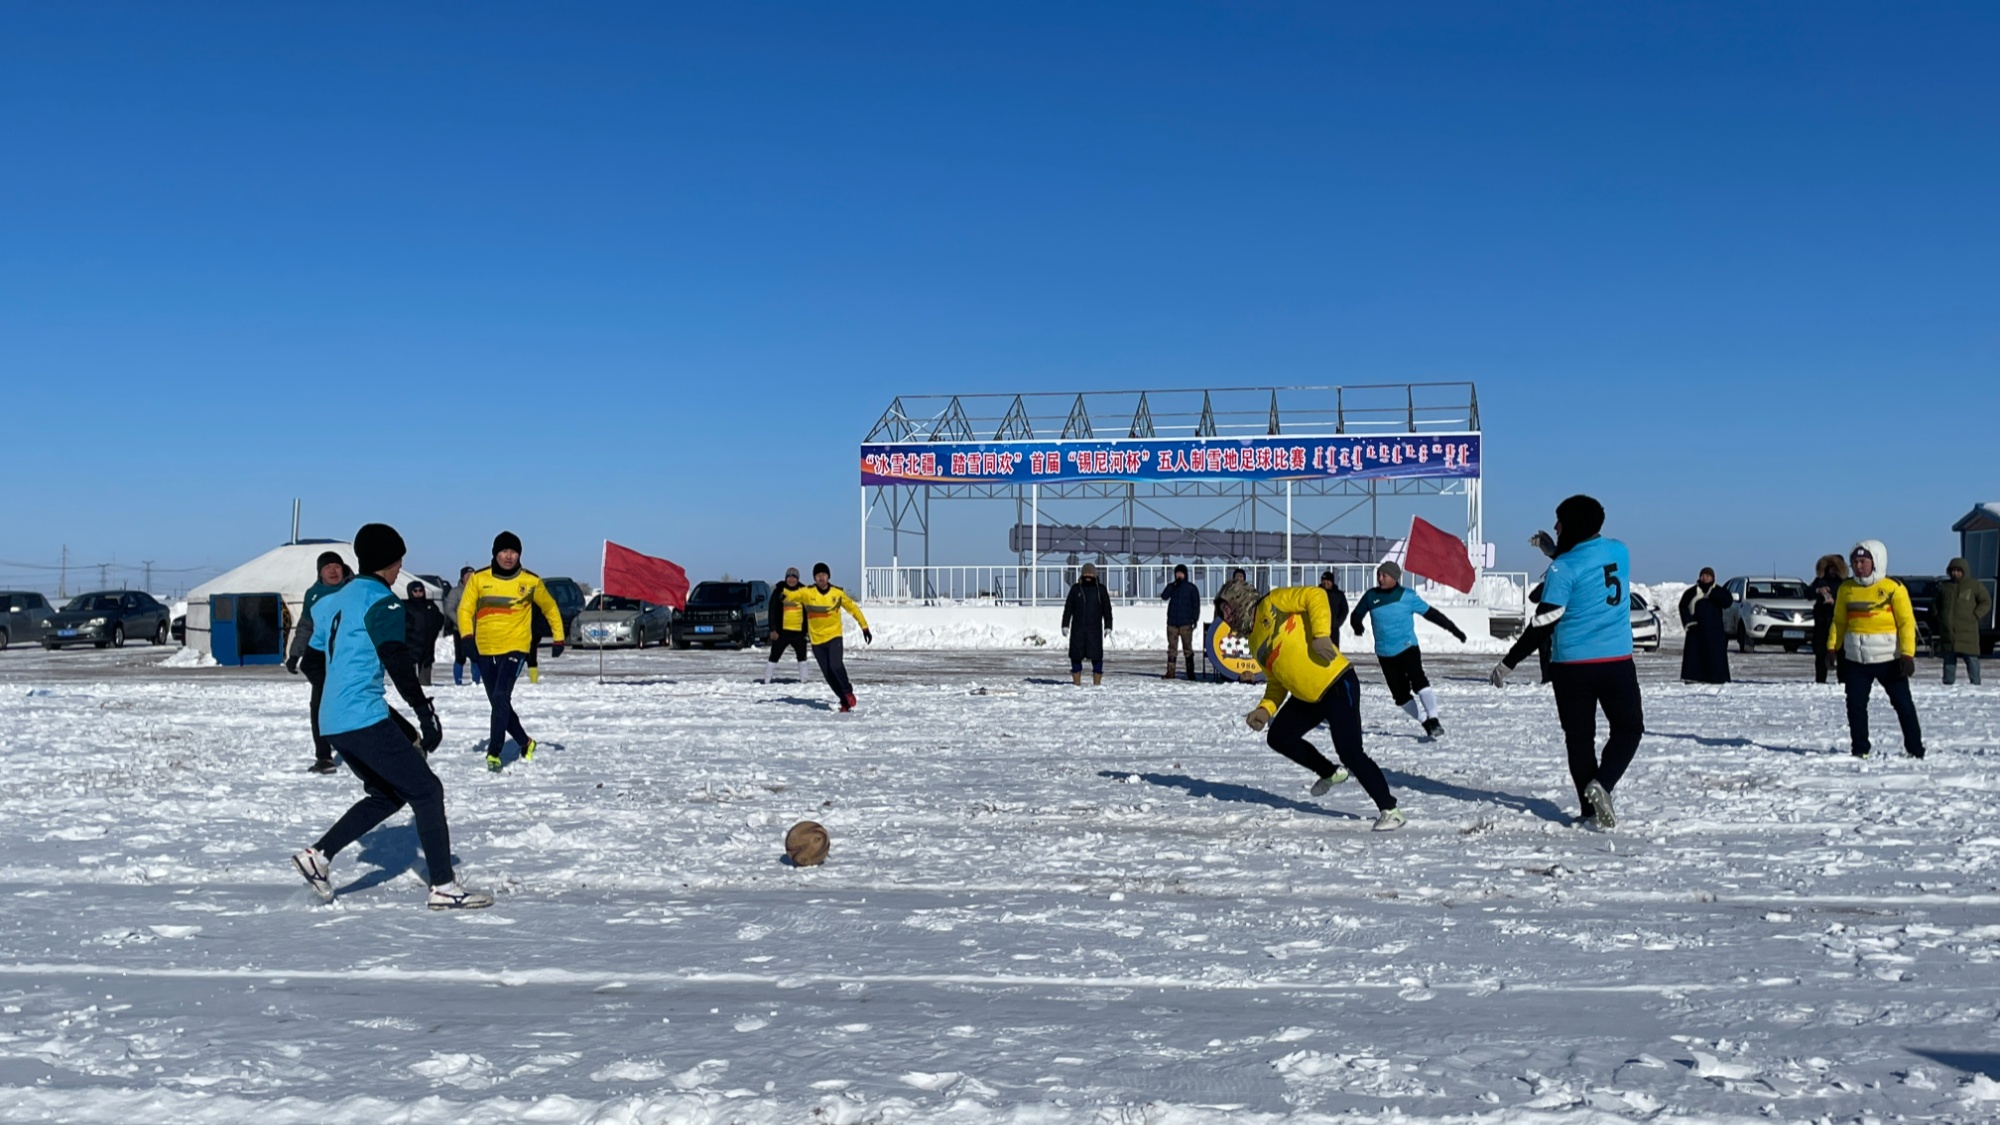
x=1592 y=582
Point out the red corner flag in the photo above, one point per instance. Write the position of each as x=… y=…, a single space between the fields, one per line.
x=629 y=574
x=1438 y=555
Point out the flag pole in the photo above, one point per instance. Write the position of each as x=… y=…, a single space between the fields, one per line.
x=603 y=558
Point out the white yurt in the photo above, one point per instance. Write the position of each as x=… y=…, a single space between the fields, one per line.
x=288 y=571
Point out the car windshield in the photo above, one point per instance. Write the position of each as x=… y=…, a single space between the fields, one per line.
x=606 y=601
x=720 y=593
x=1639 y=603
x=1775 y=591
x=93 y=603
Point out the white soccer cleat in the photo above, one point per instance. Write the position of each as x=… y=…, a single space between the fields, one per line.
x=1601 y=809
x=1389 y=821
x=451 y=896
x=1325 y=784
x=317 y=871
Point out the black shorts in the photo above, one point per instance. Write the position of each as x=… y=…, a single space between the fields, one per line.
x=1404 y=673
x=789 y=639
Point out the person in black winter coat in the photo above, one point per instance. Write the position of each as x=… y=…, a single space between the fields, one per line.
x=1828 y=574
x=1086 y=618
x=423 y=622
x=1334 y=598
x=1183 y=600
x=1705 y=660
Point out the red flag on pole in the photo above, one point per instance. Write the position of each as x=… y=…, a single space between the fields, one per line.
x=1438 y=555
x=629 y=574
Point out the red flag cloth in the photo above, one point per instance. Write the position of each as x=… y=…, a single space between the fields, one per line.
x=629 y=574
x=1438 y=555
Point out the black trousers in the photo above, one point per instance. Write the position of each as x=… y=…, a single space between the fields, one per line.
x=498 y=673
x=1340 y=710
x=1404 y=673
x=1581 y=691
x=1863 y=677
x=833 y=667
x=794 y=639
x=1823 y=660
x=313 y=665
x=394 y=774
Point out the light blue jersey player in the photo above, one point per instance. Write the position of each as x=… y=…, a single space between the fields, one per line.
x=1585 y=618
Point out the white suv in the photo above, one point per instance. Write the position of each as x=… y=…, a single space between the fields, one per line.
x=1768 y=611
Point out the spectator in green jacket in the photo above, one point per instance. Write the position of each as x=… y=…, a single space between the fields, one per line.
x=1962 y=604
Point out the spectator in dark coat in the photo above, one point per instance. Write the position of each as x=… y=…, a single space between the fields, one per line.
x=1183 y=600
x=1962 y=605
x=1334 y=598
x=423 y=621
x=1828 y=574
x=1086 y=618
x=1705 y=660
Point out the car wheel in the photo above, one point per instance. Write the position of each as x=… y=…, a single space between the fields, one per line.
x=3 y=640
x=50 y=645
x=160 y=634
x=117 y=637
x=680 y=643
x=1791 y=646
x=1743 y=639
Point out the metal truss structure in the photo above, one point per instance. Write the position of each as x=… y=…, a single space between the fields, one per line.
x=900 y=515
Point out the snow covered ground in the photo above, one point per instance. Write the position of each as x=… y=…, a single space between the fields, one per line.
x=1044 y=904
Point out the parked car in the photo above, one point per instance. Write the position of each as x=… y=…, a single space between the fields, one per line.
x=1923 y=590
x=568 y=597
x=23 y=615
x=107 y=617
x=733 y=613
x=1645 y=625
x=609 y=622
x=1768 y=611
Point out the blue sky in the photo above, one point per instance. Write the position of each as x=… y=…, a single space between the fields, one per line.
x=652 y=272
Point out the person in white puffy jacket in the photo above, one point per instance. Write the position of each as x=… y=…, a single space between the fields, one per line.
x=1875 y=634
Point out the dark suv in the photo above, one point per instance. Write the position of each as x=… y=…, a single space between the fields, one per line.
x=107 y=618
x=733 y=613
x=568 y=597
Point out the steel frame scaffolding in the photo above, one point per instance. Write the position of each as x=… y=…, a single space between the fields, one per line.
x=1391 y=409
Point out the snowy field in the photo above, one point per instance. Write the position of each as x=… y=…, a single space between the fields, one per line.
x=1044 y=904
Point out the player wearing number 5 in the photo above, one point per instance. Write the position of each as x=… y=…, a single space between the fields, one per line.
x=1585 y=618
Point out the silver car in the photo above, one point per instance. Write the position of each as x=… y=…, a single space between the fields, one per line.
x=1764 y=611
x=1645 y=625
x=608 y=622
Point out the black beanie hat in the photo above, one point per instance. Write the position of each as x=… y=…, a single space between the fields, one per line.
x=330 y=558
x=821 y=568
x=506 y=541
x=377 y=546
x=1581 y=516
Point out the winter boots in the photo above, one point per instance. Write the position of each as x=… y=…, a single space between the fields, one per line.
x=1076 y=678
x=1097 y=679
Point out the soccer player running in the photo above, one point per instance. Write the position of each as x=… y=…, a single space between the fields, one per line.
x=1395 y=610
x=360 y=629
x=1585 y=617
x=498 y=613
x=788 y=625
x=822 y=603
x=1309 y=682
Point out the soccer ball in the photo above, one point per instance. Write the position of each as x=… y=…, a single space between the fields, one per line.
x=806 y=843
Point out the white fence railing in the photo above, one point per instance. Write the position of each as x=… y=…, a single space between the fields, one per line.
x=1503 y=594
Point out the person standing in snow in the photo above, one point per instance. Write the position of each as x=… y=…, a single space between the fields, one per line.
x=1307 y=681
x=1584 y=614
x=462 y=648
x=1828 y=574
x=1705 y=657
x=500 y=602
x=1329 y=582
x=331 y=575
x=1183 y=600
x=361 y=632
x=1395 y=610
x=788 y=625
x=1875 y=633
x=1962 y=603
x=822 y=604
x=426 y=622
x=1086 y=617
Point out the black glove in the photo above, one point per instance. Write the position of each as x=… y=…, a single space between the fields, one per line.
x=433 y=731
x=292 y=665
x=1460 y=634
x=1907 y=665
x=556 y=649
x=867 y=637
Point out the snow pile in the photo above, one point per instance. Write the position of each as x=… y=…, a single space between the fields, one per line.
x=1665 y=598
x=188 y=658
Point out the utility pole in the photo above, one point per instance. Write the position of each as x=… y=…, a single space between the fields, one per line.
x=62 y=583
x=103 y=570
x=149 y=575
